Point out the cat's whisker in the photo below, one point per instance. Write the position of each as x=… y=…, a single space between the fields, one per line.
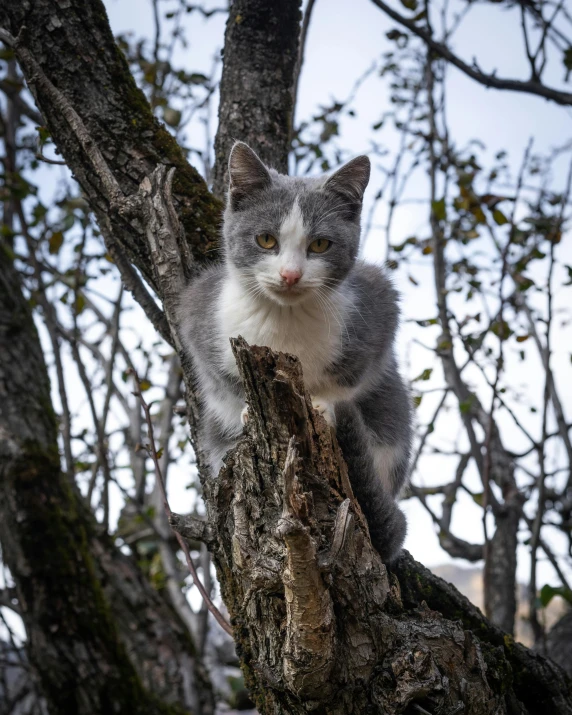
x=335 y=313
x=323 y=309
x=332 y=283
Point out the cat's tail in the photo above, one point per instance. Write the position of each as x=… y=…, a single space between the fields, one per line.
x=386 y=521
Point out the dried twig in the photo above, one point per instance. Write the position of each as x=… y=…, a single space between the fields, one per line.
x=152 y=449
x=531 y=86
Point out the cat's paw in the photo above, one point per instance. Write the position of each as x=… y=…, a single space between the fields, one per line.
x=326 y=409
x=244 y=415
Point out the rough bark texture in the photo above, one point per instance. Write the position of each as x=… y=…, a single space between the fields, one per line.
x=319 y=623
x=76 y=49
x=157 y=642
x=58 y=560
x=559 y=642
x=257 y=84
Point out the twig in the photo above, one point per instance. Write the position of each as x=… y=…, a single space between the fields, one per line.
x=137 y=288
x=12 y=90
x=473 y=71
x=537 y=629
x=155 y=457
x=40 y=157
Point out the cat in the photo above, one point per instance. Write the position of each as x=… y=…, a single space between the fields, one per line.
x=291 y=279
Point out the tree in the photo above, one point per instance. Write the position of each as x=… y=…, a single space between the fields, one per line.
x=316 y=616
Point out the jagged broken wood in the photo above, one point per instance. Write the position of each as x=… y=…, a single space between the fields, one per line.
x=319 y=622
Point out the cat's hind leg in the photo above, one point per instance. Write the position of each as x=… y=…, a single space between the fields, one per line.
x=386 y=521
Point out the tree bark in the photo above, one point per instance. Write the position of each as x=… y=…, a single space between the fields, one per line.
x=77 y=51
x=257 y=84
x=58 y=560
x=319 y=622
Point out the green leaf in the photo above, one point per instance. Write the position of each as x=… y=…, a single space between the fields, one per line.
x=501 y=329
x=439 y=209
x=478 y=213
x=409 y=4
x=425 y=375
x=567 y=58
x=198 y=78
x=43 y=135
x=79 y=304
x=68 y=222
x=499 y=218
x=522 y=338
x=144 y=385
x=478 y=498
x=466 y=405
x=417 y=400
x=55 y=242
x=548 y=592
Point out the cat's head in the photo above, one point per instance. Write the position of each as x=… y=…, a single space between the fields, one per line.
x=286 y=237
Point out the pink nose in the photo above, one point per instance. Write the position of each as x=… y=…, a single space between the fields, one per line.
x=290 y=277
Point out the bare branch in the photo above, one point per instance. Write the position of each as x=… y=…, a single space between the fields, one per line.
x=488 y=80
x=154 y=456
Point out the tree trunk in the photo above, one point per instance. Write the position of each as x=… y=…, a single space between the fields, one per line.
x=257 y=83
x=58 y=560
x=318 y=620
x=96 y=80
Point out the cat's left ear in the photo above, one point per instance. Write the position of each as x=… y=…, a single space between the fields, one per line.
x=247 y=174
x=351 y=180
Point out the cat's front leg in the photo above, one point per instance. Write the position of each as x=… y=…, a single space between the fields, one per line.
x=325 y=408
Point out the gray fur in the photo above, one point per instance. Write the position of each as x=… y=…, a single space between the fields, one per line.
x=340 y=319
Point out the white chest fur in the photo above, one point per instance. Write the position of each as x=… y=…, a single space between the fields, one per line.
x=312 y=330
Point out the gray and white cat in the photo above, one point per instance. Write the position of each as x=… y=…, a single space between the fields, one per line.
x=291 y=280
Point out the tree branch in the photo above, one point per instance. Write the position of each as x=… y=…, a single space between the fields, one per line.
x=531 y=86
x=258 y=78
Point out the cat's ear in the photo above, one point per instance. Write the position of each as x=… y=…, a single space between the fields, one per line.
x=351 y=180
x=247 y=174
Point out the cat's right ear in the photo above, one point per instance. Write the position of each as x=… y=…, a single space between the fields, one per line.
x=247 y=174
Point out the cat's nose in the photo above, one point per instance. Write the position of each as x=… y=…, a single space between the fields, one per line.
x=290 y=277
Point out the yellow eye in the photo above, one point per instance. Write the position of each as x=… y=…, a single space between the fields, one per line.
x=265 y=240
x=319 y=245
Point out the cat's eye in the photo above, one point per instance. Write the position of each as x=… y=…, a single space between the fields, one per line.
x=266 y=240
x=319 y=245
